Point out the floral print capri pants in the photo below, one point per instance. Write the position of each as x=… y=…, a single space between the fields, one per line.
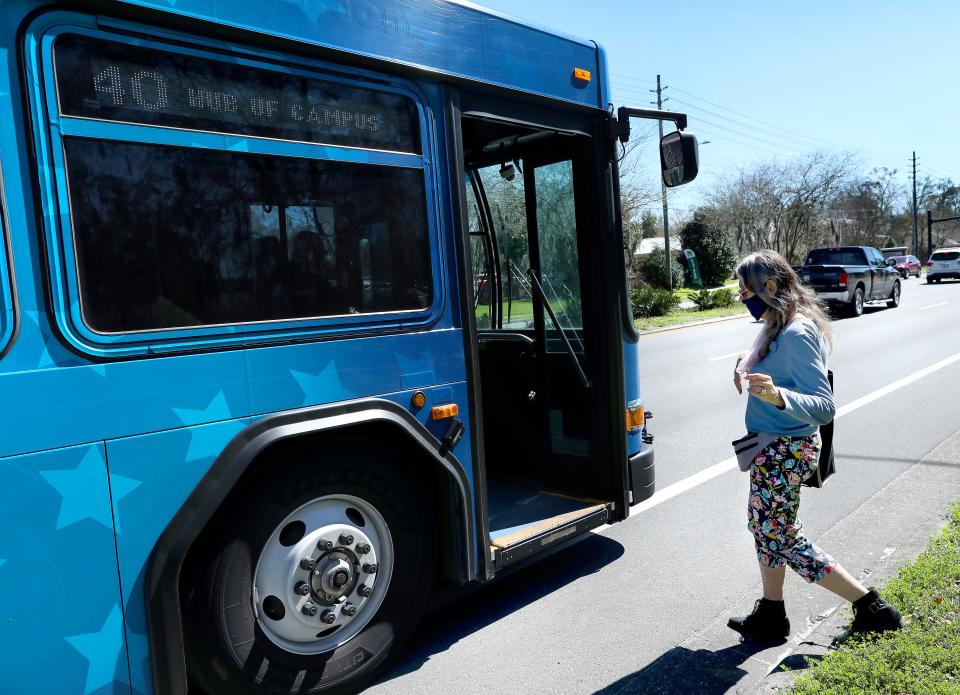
x=775 y=478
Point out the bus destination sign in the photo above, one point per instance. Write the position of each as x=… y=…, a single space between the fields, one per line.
x=113 y=81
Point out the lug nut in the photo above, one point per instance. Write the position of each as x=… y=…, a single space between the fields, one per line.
x=365 y=591
x=370 y=567
x=363 y=548
x=324 y=544
x=301 y=588
x=346 y=539
x=349 y=610
x=329 y=617
x=309 y=609
x=308 y=563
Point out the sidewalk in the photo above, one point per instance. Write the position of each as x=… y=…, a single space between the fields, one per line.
x=892 y=528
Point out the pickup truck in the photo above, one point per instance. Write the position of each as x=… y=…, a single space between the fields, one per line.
x=847 y=277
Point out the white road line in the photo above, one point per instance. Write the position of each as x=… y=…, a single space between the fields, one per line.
x=729 y=464
x=726 y=357
x=932 y=305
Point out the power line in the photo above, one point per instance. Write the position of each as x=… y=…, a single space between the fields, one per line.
x=782 y=141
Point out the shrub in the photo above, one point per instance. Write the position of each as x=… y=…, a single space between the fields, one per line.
x=724 y=297
x=705 y=299
x=652 y=269
x=715 y=251
x=652 y=301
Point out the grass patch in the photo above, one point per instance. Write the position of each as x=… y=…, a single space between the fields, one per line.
x=924 y=657
x=679 y=316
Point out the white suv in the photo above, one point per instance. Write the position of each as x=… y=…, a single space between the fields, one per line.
x=943 y=263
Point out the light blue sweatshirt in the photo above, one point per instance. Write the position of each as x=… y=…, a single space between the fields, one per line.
x=797 y=364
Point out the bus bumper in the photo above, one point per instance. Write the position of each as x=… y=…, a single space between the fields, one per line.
x=642 y=483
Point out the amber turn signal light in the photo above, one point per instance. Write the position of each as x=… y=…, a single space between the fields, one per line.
x=635 y=419
x=443 y=412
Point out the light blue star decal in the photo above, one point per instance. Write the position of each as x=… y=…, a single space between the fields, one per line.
x=241 y=146
x=2 y=562
x=216 y=410
x=206 y=442
x=86 y=494
x=321 y=387
x=101 y=649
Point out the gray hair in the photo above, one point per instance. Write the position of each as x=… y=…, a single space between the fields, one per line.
x=791 y=297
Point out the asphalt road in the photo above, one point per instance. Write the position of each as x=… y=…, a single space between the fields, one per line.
x=606 y=614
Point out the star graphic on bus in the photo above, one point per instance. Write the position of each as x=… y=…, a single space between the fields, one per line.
x=85 y=496
x=325 y=386
x=101 y=649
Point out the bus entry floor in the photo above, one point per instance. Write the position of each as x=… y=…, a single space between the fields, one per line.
x=515 y=507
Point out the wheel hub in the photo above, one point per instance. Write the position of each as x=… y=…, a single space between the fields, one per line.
x=331 y=581
x=335 y=576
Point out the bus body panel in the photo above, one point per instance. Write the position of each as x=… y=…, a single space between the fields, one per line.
x=434 y=35
x=62 y=620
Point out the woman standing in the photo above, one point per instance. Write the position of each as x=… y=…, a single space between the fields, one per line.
x=790 y=397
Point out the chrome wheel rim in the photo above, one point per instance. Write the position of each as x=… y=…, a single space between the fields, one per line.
x=323 y=574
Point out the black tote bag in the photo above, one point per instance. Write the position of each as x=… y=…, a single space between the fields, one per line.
x=825 y=466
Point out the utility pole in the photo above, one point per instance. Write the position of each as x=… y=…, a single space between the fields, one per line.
x=663 y=194
x=916 y=250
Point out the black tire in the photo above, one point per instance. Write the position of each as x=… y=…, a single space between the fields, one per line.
x=219 y=607
x=894 y=300
x=855 y=307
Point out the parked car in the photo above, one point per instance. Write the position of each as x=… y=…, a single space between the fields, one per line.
x=943 y=263
x=847 y=277
x=907 y=265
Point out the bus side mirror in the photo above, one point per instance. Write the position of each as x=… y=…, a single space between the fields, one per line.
x=679 y=158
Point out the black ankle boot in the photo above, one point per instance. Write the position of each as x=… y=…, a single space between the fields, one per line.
x=872 y=614
x=767 y=622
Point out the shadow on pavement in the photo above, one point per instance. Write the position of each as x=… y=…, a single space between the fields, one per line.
x=446 y=626
x=797 y=662
x=683 y=670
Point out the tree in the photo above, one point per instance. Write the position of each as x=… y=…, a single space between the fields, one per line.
x=782 y=206
x=652 y=269
x=862 y=212
x=715 y=251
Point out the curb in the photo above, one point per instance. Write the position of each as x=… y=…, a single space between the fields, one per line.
x=689 y=324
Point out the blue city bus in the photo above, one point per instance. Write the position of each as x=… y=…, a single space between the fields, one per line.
x=311 y=314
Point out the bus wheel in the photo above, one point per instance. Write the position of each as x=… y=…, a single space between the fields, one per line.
x=312 y=582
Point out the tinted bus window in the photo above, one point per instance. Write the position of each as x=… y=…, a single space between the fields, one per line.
x=119 y=82
x=170 y=237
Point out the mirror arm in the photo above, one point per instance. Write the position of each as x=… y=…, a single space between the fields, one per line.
x=625 y=113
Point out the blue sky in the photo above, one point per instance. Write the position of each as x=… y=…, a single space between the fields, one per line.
x=875 y=78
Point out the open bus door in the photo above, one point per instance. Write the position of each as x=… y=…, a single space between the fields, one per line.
x=548 y=372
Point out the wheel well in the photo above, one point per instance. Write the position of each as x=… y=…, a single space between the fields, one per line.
x=442 y=490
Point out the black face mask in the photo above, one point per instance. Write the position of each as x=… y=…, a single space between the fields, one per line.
x=756 y=306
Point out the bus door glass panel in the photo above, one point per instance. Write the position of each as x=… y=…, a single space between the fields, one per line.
x=559 y=258
x=481 y=262
x=508 y=213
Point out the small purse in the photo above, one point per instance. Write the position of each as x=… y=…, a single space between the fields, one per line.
x=747 y=448
x=825 y=465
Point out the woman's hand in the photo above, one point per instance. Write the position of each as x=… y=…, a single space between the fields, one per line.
x=762 y=386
